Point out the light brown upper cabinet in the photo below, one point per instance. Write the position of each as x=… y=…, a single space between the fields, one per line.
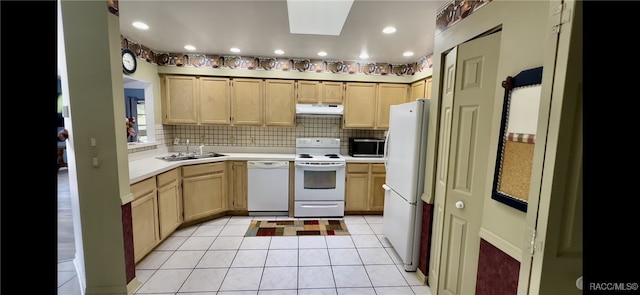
x=195 y=100
x=360 y=105
x=367 y=104
x=417 y=89
x=180 y=94
x=247 y=101
x=420 y=89
x=279 y=103
x=215 y=100
x=319 y=92
x=389 y=94
x=428 y=84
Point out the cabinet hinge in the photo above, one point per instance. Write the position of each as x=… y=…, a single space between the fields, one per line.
x=563 y=15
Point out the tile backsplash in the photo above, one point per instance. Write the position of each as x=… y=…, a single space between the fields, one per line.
x=258 y=136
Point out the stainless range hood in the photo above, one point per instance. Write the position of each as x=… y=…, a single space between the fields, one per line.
x=319 y=110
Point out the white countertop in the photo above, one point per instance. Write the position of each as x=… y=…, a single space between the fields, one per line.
x=141 y=168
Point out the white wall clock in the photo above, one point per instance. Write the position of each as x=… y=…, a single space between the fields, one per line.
x=129 y=62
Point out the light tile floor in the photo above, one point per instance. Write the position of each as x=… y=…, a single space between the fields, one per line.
x=214 y=257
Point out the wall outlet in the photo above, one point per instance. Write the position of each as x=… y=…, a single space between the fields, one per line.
x=253 y=140
x=176 y=141
x=232 y=139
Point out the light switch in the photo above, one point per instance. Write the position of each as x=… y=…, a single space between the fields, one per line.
x=95 y=161
x=93 y=142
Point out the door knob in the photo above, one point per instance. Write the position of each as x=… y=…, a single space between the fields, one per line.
x=579 y=283
x=459 y=204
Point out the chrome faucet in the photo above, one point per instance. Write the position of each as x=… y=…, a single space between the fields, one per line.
x=187 y=146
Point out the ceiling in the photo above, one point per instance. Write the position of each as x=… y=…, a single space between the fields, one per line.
x=260 y=27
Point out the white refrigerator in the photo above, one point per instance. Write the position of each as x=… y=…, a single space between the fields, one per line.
x=404 y=157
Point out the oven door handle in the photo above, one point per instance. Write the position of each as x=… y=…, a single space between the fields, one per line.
x=320 y=166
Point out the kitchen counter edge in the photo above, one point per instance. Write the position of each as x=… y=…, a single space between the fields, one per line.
x=144 y=168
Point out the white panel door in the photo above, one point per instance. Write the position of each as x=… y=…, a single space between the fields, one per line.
x=442 y=166
x=472 y=110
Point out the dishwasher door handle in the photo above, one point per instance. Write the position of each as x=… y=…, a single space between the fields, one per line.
x=267 y=164
x=318 y=206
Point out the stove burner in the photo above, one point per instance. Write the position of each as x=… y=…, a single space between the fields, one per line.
x=306 y=156
x=332 y=156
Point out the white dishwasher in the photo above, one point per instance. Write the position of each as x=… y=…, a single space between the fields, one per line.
x=268 y=187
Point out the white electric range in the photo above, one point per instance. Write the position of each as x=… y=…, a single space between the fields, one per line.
x=319 y=178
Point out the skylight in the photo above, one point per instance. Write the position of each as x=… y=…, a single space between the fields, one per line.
x=317 y=17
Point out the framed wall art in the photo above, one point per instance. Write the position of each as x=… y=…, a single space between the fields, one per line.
x=519 y=121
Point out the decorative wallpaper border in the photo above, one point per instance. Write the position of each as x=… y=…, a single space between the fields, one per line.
x=217 y=61
x=454 y=11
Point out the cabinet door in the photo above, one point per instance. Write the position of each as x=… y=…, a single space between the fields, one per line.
x=428 y=85
x=417 y=90
x=203 y=190
x=180 y=100
x=238 y=185
x=360 y=105
x=144 y=219
x=357 y=187
x=246 y=102
x=169 y=202
x=332 y=92
x=307 y=91
x=215 y=101
x=378 y=175
x=279 y=103
x=389 y=94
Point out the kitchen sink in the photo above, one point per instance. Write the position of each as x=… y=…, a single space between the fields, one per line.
x=182 y=157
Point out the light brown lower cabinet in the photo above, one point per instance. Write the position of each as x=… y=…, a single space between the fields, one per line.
x=169 y=202
x=204 y=190
x=364 y=192
x=144 y=217
x=237 y=185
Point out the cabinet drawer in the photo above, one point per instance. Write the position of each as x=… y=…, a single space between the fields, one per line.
x=200 y=169
x=143 y=187
x=378 y=168
x=357 y=168
x=168 y=177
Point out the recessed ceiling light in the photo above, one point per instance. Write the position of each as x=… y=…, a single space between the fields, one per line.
x=189 y=47
x=234 y=49
x=408 y=53
x=278 y=51
x=389 y=30
x=322 y=53
x=364 y=56
x=140 y=25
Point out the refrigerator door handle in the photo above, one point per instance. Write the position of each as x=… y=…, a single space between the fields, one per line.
x=386 y=187
x=386 y=149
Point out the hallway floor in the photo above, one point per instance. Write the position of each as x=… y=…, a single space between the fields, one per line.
x=214 y=257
